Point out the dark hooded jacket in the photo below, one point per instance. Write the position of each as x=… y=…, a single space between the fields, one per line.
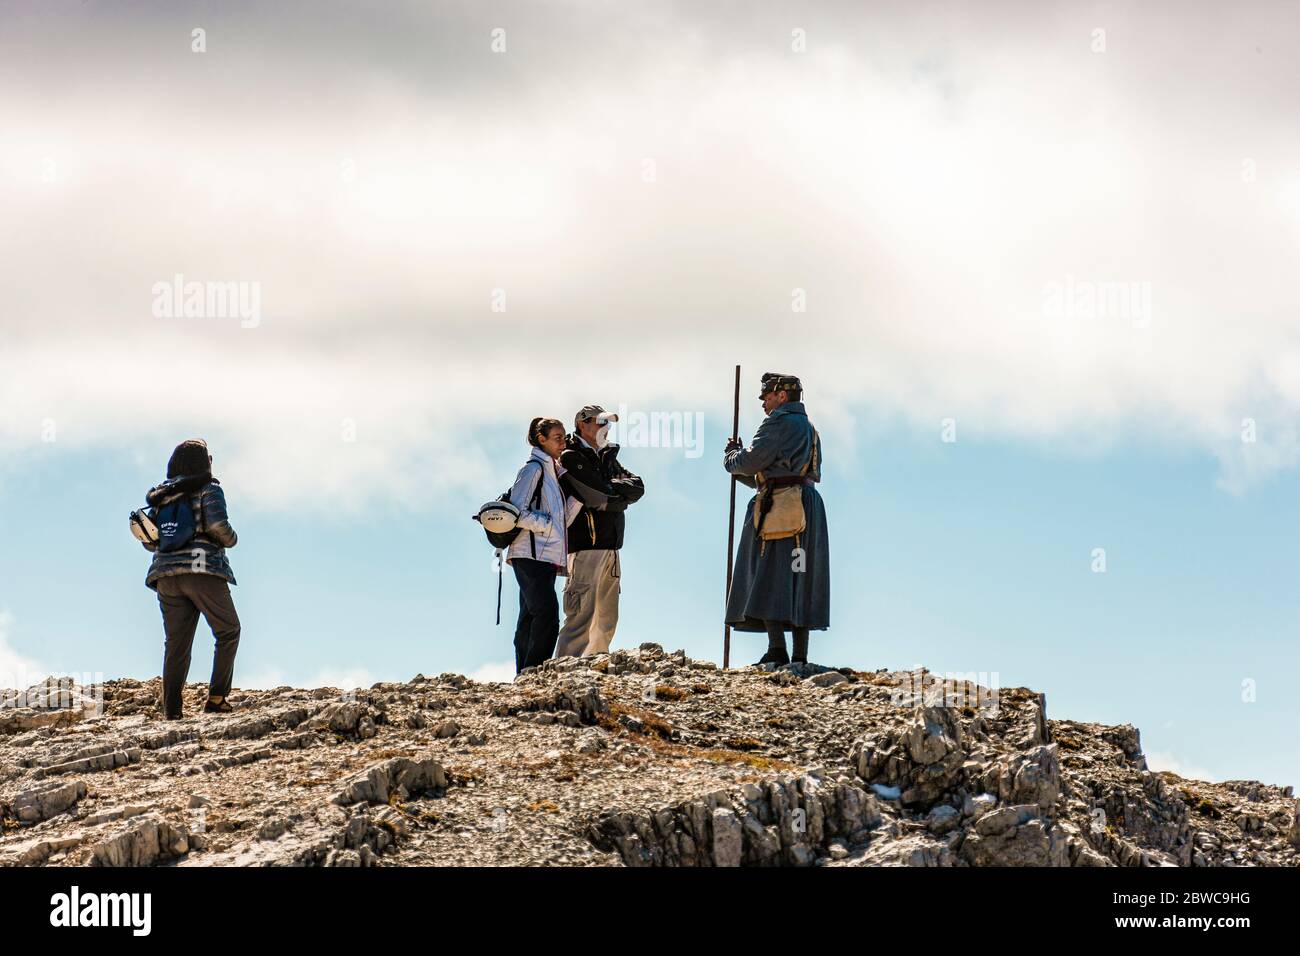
x=597 y=479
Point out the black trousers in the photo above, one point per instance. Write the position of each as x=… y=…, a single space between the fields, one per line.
x=182 y=598
x=539 y=612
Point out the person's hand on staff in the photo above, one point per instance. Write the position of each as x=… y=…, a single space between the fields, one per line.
x=733 y=444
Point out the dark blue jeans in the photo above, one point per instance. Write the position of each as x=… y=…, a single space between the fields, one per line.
x=539 y=612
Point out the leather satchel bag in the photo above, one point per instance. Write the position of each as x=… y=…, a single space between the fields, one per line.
x=778 y=513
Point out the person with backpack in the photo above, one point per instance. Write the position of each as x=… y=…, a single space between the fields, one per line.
x=191 y=575
x=782 y=572
x=594 y=475
x=539 y=551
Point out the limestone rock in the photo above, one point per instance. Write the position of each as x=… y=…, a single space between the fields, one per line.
x=342 y=717
x=400 y=776
x=635 y=757
x=145 y=843
x=924 y=758
x=44 y=802
x=37 y=851
x=827 y=679
x=786 y=821
x=914 y=850
x=18 y=721
x=942 y=818
x=727 y=842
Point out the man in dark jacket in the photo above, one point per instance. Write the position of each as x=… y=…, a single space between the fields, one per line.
x=195 y=580
x=595 y=477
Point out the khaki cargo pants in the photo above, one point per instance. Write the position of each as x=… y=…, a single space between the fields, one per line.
x=590 y=603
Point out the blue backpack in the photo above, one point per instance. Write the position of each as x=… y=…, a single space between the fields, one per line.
x=175 y=521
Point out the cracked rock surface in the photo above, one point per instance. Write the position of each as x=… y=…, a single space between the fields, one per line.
x=637 y=758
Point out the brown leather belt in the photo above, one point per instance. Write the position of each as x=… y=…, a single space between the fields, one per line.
x=784 y=481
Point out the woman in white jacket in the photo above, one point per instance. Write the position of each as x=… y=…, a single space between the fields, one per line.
x=539 y=551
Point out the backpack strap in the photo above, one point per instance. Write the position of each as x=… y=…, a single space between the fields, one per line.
x=812 y=461
x=535 y=504
x=195 y=499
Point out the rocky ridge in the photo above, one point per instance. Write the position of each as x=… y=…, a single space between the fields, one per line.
x=638 y=757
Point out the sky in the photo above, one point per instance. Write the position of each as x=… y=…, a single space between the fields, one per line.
x=1035 y=264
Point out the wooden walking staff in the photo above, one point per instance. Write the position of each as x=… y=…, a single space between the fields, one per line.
x=731 y=524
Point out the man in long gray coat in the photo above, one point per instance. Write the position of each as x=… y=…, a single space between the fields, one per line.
x=781 y=583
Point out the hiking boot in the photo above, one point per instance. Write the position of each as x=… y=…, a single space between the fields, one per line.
x=222 y=707
x=774 y=657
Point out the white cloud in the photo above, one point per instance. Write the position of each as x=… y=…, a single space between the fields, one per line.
x=1243 y=464
x=501 y=672
x=344 y=678
x=1161 y=760
x=17 y=670
x=349 y=678
x=261 y=679
x=924 y=194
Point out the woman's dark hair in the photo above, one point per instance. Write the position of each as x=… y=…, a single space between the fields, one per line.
x=538 y=428
x=189 y=460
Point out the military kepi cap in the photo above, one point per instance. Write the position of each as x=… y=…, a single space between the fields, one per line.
x=779 y=382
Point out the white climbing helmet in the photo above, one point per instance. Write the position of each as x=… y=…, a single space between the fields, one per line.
x=498 y=516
